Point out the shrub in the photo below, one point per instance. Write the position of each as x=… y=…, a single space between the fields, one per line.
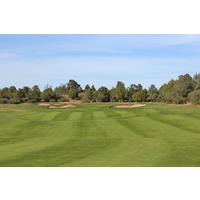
x=63 y=99
x=14 y=101
x=85 y=100
x=52 y=100
x=3 y=101
x=195 y=97
x=73 y=94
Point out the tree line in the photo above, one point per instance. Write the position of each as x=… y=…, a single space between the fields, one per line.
x=182 y=90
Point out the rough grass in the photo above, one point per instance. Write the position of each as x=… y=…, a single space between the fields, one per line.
x=98 y=135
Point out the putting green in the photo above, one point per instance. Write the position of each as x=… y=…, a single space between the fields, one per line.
x=99 y=135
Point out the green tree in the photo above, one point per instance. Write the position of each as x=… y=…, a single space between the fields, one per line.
x=87 y=87
x=5 y=93
x=182 y=87
x=166 y=93
x=26 y=90
x=196 y=80
x=131 y=90
x=93 y=88
x=73 y=93
x=88 y=96
x=34 y=95
x=48 y=95
x=120 y=91
x=9 y=95
x=94 y=96
x=21 y=94
x=152 y=93
x=62 y=89
x=194 y=97
x=72 y=84
x=140 y=96
x=12 y=92
x=103 y=94
x=139 y=87
x=112 y=94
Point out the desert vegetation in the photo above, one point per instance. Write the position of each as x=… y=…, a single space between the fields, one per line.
x=185 y=89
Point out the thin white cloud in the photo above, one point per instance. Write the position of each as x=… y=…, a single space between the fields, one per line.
x=101 y=59
x=53 y=45
x=107 y=70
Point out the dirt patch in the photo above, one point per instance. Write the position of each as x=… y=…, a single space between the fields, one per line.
x=185 y=104
x=130 y=106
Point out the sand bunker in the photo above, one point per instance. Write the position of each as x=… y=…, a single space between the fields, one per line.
x=130 y=106
x=66 y=106
x=56 y=105
x=43 y=104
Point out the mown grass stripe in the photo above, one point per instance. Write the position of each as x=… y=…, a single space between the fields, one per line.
x=97 y=135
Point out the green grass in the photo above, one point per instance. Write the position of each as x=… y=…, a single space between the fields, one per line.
x=97 y=135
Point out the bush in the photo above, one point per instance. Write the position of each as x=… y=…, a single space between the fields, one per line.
x=30 y=101
x=52 y=100
x=63 y=99
x=179 y=100
x=73 y=94
x=195 y=97
x=85 y=100
x=14 y=101
x=3 y=101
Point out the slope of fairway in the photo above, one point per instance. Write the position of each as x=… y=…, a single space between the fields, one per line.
x=99 y=135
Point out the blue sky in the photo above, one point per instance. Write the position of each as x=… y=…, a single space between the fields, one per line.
x=102 y=60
